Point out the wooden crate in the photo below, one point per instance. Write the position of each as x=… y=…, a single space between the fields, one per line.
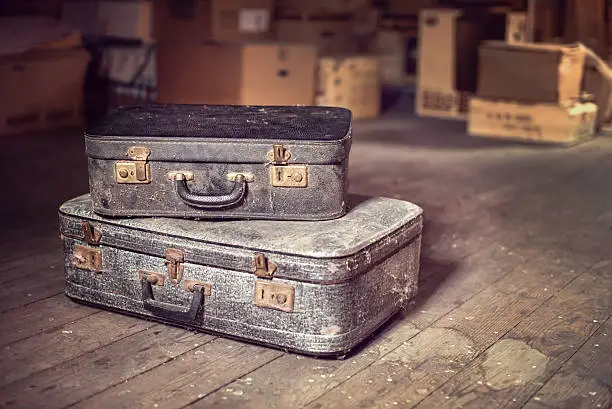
x=350 y=82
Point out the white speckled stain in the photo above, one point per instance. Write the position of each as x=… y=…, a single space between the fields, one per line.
x=510 y=362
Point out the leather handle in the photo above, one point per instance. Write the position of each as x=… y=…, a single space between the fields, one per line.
x=171 y=311
x=235 y=196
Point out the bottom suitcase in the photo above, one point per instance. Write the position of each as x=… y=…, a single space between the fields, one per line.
x=318 y=288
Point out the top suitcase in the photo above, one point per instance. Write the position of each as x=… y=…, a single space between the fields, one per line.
x=220 y=161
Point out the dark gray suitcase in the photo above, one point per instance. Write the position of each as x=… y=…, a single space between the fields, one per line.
x=217 y=161
x=313 y=287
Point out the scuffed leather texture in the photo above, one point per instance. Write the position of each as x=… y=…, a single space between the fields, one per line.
x=226 y=121
x=212 y=141
x=322 y=199
x=350 y=274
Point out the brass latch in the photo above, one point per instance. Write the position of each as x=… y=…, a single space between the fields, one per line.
x=280 y=155
x=153 y=278
x=137 y=170
x=91 y=235
x=87 y=258
x=264 y=268
x=282 y=174
x=174 y=260
x=269 y=294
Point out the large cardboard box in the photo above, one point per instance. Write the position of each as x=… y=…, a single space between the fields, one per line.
x=219 y=20
x=350 y=82
x=530 y=72
x=244 y=74
x=299 y=7
x=331 y=36
x=42 y=90
x=534 y=122
x=447 y=62
x=121 y=19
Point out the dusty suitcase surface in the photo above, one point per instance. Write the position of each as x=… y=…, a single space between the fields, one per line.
x=216 y=161
x=312 y=287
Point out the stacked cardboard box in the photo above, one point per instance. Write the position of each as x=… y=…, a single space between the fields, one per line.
x=42 y=73
x=448 y=58
x=223 y=52
x=351 y=82
x=396 y=40
x=329 y=24
x=531 y=92
x=341 y=31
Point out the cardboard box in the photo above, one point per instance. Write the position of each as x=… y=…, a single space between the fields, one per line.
x=516 y=28
x=442 y=104
x=42 y=90
x=127 y=20
x=329 y=35
x=300 y=7
x=447 y=61
x=597 y=81
x=410 y=7
x=218 y=20
x=350 y=82
x=397 y=55
x=244 y=74
x=530 y=72
x=537 y=122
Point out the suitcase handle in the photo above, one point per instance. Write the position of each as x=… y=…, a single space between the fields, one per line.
x=235 y=196
x=171 y=311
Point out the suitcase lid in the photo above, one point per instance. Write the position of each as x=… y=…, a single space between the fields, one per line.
x=223 y=133
x=323 y=251
x=307 y=123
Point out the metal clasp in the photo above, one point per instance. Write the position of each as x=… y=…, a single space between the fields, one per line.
x=281 y=173
x=91 y=235
x=269 y=294
x=137 y=170
x=174 y=260
x=87 y=258
x=264 y=268
x=279 y=155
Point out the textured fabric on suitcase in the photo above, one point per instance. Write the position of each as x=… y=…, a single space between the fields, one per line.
x=220 y=161
x=312 y=287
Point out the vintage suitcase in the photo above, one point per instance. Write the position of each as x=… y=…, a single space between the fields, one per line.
x=220 y=161
x=313 y=287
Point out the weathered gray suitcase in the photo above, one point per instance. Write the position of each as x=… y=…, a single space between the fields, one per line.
x=313 y=287
x=218 y=161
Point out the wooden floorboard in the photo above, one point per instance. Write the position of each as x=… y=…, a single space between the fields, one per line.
x=72 y=340
x=584 y=382
x=514 y=281
x=107 y=366
x=515 y=367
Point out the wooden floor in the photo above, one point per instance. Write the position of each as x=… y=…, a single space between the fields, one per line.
x=514 y=306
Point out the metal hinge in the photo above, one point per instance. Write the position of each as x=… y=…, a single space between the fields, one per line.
x=137 y=170
x=264 y=268
x=174 y=260
x=91 y=235
x=282 y=174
